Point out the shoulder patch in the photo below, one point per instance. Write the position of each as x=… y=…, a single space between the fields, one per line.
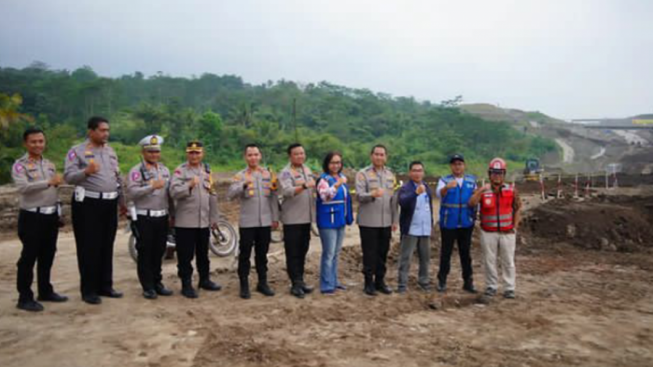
x=135 y=176
x=237 y=177
x=178 y=172
x=286 y=175
x=18 y=168
x=360 y=176
x=72 y=155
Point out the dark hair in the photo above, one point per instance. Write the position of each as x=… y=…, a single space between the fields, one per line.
x=32 y=130
x=379 y=146
x=415 y=163
x=293 y=146
x=95 y=121
x=327 y=160
x=252 y=146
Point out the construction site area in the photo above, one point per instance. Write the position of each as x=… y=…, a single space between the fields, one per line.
x=584 y=290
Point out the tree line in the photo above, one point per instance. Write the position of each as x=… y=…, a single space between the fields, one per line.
x=227 y=113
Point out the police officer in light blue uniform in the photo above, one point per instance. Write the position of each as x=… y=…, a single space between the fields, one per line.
x=456 y=221
x=147 y=186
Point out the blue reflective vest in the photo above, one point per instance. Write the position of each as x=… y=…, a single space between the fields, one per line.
x=337 y=212
x=454 y=211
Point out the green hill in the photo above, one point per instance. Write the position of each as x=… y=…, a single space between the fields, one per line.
x=227 y=113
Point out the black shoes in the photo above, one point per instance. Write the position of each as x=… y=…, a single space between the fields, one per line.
x=208 y=285
x=297 y=291
x=111 y=293
x=33 y=306
x=469 y=288
x=149 y=294
x=92 y=299
x=307 y=289
x=369 y=290
x=189 y=292
x=161 y=290
x=187 y=289
x=53 y=297
x=383 y=288
x=265 y=289
x=30 y=305
x=442 y=286
x=244 y=289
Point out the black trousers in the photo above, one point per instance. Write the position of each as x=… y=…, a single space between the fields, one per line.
x=38 y=233
x=151 y=247
x=192 y=242
x=259 y=238
x=464 y=238
x=95 y=222
x=296 y=241
x=376 y=244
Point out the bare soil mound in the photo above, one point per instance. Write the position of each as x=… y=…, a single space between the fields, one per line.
x=607 y=223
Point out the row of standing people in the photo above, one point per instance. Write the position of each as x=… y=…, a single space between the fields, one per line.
x=189 y=193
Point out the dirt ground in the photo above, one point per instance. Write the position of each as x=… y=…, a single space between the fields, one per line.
x=576 y=306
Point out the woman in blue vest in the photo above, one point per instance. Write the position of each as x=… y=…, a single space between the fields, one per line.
x=456 y=221
x=334 y=212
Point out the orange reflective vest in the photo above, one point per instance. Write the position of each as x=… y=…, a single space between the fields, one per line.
x=497 y=213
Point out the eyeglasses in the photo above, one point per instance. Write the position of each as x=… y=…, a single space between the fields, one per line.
x=335 y=162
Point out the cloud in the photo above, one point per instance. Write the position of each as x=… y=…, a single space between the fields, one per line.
x=567 y=58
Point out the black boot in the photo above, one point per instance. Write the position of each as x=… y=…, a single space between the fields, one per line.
x=263 y=288
x=297 y=291
x=161 y=290
x=53 y=297
x=307 y=288
x=29 y=305
x=442 y=286
x=382 y=287
x=187 y=289
x=244 y=289
x=208 y=285
x=369 y=287
x=469 y=287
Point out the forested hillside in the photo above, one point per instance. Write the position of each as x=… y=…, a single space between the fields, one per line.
x=227 y=113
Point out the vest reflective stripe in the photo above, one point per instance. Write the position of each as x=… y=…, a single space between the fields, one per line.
x=497 y=210
x=454 y=206
x=493 y=218
x=333 y=202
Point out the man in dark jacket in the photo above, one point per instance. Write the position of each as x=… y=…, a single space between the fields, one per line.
x=456 y=221
x=416 y=222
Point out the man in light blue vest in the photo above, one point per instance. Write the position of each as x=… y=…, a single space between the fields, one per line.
x=456 y=221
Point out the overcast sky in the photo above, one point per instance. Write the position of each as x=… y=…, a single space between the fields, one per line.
x=566 y=58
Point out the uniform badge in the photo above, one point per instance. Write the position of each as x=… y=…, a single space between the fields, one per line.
x=136 y=176
x=177 y=172
x=488 y=201
x=72 y=155
x=18 y=168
